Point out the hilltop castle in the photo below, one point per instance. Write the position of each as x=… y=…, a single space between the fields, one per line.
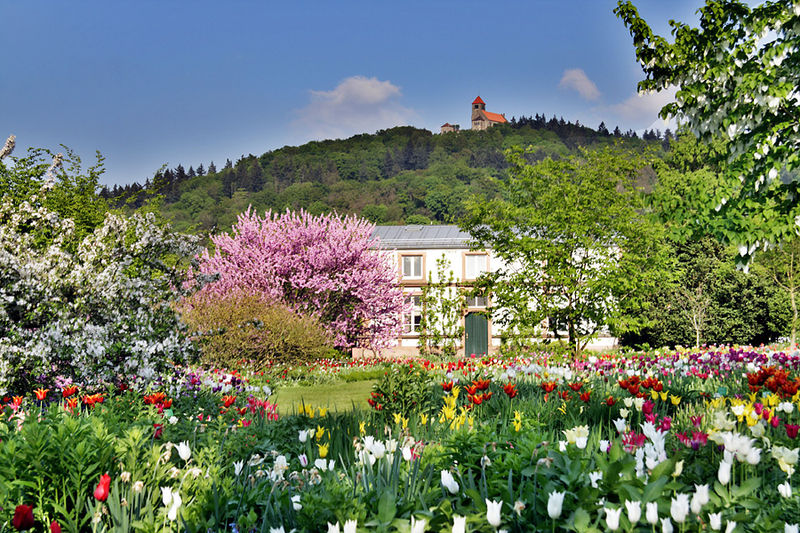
x=481 y=119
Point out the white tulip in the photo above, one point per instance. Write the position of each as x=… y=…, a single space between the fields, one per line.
x=449 y=482
x=296 y=505
x=554 y=503
x=418 y=526
x=350 y=526
x=724 y=474
x=679 y=508
x=333 y=528
x=166 y=496
x=652 y=513
x=493 y=512
x=634 y=511
x=785 y=489
x=184 y=451
x=277 y=530
x=790 y=528
x=715 y=521
x=172 y=514
x=612 y=518
x=666 y=526
x=459 y=524
x=730 y=527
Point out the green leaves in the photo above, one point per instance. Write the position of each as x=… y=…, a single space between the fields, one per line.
x=579 y=248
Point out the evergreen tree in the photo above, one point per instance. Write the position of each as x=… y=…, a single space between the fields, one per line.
x=212 y=168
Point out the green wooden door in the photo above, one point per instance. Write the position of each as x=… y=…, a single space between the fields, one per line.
x=477 y=332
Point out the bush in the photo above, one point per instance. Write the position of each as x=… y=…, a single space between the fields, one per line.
x=246 y=328
x=99 y=314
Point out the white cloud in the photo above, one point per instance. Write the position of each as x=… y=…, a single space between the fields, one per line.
x=577 y=80
x=357 y=105
x=641 y=110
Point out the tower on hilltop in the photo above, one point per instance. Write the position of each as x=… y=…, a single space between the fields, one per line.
x=482 y=119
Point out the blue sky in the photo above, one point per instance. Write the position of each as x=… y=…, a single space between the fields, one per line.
x=166 y=82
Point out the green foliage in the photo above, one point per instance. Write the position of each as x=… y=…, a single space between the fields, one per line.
x=70 y=192
x=398 y=175
x=243 y=328
x=443 y=306
x=737 y=77
x=580 y=252
x=711 y=302
x=403 y=390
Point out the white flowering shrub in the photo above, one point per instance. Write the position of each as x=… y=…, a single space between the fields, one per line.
x=99 y=312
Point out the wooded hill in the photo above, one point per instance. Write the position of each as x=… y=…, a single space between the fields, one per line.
x=395 y=176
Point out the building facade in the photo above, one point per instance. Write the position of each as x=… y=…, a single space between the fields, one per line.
x=416 y=250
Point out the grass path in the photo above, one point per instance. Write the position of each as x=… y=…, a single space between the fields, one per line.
x=337 y=396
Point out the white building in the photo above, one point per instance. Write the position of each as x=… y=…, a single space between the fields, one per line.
x=416 y=249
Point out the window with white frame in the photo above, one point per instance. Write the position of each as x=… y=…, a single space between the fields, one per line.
x=413 y=318
x=412 y=266
x=474 y=265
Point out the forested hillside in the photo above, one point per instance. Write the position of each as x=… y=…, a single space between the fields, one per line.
x=395 y=176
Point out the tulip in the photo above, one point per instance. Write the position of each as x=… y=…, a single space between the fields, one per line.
x=554 y=503
x=418 y=526
x=237 y=467
x=296 y=505
x=652 y=513
x=679 y=508
x=493 y=512
x=715 y=521
x=172 y=514
x=55 y=527
x=634 y=511
x=730 y=526
x=724 y=474
x=277 y=530
x=790 y=528
x=666 y=526
x=333 y=528
x=23 y=517
x=350 y=526
x=184 y=451
x=101 y=492
x=785 y=489
x=449 y=482
x=612 y=518
x=459 y=524
x=303 y=460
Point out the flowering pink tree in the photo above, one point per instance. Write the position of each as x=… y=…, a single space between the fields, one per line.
x=327 y=266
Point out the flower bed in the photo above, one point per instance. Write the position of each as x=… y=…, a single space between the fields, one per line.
x=683 y=441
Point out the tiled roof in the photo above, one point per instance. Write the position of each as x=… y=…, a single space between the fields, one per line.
x=495 y=117
x=420 y=237
x=478 y=101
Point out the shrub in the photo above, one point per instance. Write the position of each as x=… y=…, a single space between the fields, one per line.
x=247 y=328
x=99 y=314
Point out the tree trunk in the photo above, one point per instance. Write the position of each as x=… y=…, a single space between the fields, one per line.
x=794 y=319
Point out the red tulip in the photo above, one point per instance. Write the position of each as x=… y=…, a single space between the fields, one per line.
x=23 y=517
x=54 y=527
x=101 y=492
x=158 y=429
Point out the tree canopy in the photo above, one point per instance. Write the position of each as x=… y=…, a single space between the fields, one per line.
x=737 y=76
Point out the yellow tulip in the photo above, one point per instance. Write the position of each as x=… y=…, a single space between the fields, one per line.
x=663 y=396
x=323 y=450
x=362 y=427
x=320 y=432
x=455 y=392
x=396 y=417
x=404 y=422
x=323 y=411
x=654 y=394
x=424 y=419
x=674 y=399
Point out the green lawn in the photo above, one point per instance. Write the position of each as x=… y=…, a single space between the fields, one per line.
x=337 y=396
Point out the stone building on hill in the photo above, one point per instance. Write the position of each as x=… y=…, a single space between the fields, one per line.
x=482 y=119
x=447 y=128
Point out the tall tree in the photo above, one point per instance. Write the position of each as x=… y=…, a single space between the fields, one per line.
x=579 y=251
x=737 y=76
